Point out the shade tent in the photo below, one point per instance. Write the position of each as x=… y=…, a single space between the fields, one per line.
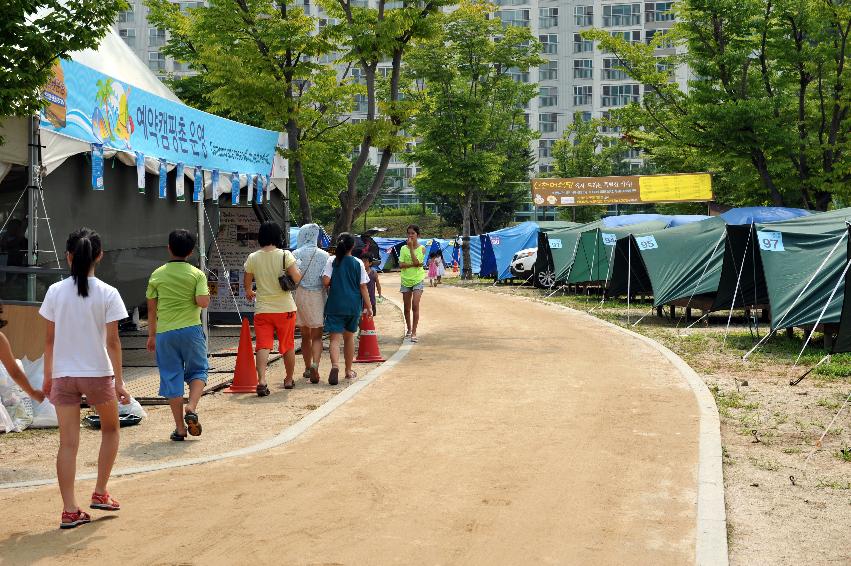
x=499 y=247
x=681 y=262
x=802 y=261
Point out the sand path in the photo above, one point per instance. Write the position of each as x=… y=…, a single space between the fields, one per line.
x=513 y=433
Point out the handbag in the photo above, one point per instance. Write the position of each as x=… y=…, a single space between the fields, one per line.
x=284 y=280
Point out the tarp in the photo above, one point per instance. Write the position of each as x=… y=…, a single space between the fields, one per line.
x=499 y=247
x=751 y=214
x=843 y=336
x=385 y=249
x=802 y=261
x=671 y=264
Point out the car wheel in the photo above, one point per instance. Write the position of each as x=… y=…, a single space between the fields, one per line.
x=544 y=279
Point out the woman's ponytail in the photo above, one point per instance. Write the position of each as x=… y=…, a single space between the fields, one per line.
x=84 y=245
x=345 y=244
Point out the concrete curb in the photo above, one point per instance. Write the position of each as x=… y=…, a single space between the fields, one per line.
x=711 y=530
x=287 y=435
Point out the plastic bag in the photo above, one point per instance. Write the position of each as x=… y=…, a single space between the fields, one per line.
x=18 y=406
x=6 y=424
x=132 y=408
x=44 y=413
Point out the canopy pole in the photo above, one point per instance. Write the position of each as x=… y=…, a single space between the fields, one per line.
x=628 y=274
x=32 y=205
x=202 y=263
x=287 y=222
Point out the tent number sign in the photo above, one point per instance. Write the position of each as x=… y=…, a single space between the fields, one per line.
x=770 y=241
x=646 y=242
x=609 y=239
x=555 y=244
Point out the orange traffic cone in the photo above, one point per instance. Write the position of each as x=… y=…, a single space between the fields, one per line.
x=245 y=373
x=368 y=343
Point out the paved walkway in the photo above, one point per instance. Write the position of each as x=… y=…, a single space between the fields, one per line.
x=513 y=433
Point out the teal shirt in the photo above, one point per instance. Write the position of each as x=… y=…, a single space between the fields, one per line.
x=344 y=296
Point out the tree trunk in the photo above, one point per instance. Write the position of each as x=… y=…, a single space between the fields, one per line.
x=761 y=164
x=305 y=214
x=467 y=271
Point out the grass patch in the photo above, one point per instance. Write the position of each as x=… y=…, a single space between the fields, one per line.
x=765 y=464
x=829 y=483
x=843 y=454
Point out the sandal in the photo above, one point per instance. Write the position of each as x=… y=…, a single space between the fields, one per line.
x=351 y=375
x=289 y=385
x=104 y=502
x=306 y=374
x=192 y=423
x=262 y=390
x=334 y=376
x=177 y=437
x=314 y=375
x=74 y=519
x=414 y=338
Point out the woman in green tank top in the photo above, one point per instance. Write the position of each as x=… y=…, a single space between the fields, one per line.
x=411 y=258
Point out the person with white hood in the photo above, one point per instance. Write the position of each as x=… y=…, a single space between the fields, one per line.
x=310 y=297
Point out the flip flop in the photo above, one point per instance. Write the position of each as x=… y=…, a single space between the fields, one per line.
x=334 y=376
x=262 y=390
x=177 y=437
x=414 y=339
x=351 y=374
x=314 y=375
x=289 y=385
x=192 y=424
x=306 y=374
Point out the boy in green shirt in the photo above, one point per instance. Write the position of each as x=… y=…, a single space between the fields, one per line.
x=177 y=292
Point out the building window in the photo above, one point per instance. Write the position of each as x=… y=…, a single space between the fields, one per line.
x=582 y=95
x=361 y=104
x=510 y=2
x=186 y=6
x=547 y=18
x=126 y=17
x=585 y=116
x=545 y=148
x=664 y=43
x=583 y=69
x=549 y=43
x=607 y=126
x=545 y=168
x=612 y=70
x=519 y=18
x=619 y=95
x=548 y=96
x=658 y=11
x=581 y=45
x=156 y=61
x=548 y=71
x=583 y=15
x=547 y=121
x=156 y=37
x=518 y=75
x=633 y=36
x=129 y=36
x=358 y=76
x=621 y=15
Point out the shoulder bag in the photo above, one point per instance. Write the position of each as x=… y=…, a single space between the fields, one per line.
x=286 y=282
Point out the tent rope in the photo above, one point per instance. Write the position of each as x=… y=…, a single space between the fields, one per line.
x=826 y=430
x=798 y=298
x=17 y=202
x=824 y=308
x=611 y=256
x=738 y=280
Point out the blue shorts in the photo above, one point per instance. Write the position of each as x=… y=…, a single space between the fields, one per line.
x=181 y=357
x=336 y=323
x=418 y=287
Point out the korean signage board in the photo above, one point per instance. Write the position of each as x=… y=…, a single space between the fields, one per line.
x=632 y=189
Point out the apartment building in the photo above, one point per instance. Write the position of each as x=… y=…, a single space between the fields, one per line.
x=577 y=77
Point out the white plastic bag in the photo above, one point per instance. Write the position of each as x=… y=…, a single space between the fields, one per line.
x=44 y=413
x=132 y=408
x=18 y=406
x=6 y=424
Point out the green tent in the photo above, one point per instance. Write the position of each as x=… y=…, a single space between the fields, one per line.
x=556 y=249
x=593 y=250
x=742 y=282
x=843 y=336
x=671 y=264
x=802 y=261
x=551 y=225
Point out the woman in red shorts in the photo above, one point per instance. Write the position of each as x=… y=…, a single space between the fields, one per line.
x=275 y=308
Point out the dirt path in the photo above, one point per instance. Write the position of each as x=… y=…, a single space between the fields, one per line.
x=511 y=434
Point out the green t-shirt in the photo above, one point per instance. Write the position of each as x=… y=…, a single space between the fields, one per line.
x=175 y=286
x=412 y=276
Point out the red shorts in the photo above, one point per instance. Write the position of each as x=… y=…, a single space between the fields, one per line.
x=267 y=324
x=70 y=390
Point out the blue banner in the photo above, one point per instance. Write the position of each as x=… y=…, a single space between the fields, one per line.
x=179 y=179
x=89 y=106
x=163 y=177
x=140 y=172
x=198 y=190
x=234 y=188
x=97 y=166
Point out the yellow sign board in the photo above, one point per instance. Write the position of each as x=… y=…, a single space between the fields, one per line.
x=631 y=189
x=675 y=188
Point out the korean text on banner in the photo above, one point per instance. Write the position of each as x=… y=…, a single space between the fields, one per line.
x=629 y=189
x=103 y=110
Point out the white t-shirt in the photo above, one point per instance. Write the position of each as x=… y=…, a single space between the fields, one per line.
x=329 y=269
x=79 y=345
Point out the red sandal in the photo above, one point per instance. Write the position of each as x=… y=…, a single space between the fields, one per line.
x=74 y=519
x=104 y=502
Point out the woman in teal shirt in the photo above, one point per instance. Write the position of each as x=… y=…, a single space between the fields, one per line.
x=411 y=258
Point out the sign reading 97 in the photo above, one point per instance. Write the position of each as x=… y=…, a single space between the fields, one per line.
x=770 y=241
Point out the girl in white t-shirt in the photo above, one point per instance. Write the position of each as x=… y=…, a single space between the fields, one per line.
x=82 y=356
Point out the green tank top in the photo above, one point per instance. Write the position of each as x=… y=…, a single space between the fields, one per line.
x=412 y=276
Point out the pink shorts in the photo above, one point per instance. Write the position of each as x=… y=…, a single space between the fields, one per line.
x=70 y=390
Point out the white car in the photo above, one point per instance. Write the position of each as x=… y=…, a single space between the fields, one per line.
x=523 y=263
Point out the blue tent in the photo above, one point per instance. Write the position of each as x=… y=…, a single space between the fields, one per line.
x=672 y=220
x=499 y=247
x=754 y=214
x=385 y=248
